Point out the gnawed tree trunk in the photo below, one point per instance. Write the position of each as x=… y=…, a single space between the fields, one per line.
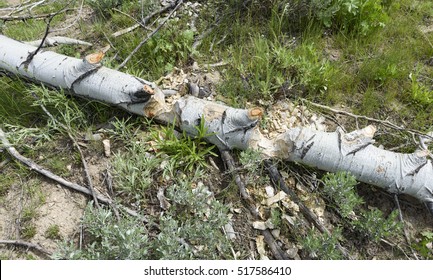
x=231 y=128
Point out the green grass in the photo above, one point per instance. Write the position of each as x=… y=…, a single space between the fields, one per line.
x=53 y=232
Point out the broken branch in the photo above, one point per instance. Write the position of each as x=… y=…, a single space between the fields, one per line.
x=27 y=245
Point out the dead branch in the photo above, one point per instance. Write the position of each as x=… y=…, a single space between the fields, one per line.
x=270 y=240
x=47 y=30
x=3 y=163
x=27 y=245
x=28 y=17
x=80 y=11
x=382 y=122
x=57 y=40
x=278 y=181
x=25 y=6
x=73 y=186
x=143 y=22
x=400 y=216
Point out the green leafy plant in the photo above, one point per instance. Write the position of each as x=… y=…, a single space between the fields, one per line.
x=166 y=49
x=424 y=245
x=186 y=151
x=419 y=92
x=192 y=228
x=352 y=16
x=374 y=226
x=340 y=188
x=103 y=7
x=322 y=246
x=134 y=169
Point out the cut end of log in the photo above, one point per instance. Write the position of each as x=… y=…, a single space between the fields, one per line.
x=369 y=131
x=255 y=113
x=95 y=57
x=149 y=89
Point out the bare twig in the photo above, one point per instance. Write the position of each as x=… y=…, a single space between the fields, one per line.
x=276 y=178
x=73 y=186
x=270 y=240
x=47 y=31
x=27 y=17
x=144 y=20
x=26 y=6
x=382 y=122
x=400 y=216
x=27 y=245
x=57 y=40
x=149 y=36
x=80 y=11
x=3 y=163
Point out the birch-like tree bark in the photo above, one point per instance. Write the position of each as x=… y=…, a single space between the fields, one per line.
x=230 y=128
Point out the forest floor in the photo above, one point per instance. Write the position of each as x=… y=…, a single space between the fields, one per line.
x=269 y=54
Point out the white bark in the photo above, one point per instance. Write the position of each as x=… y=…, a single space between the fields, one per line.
x=231 y=128
x=57 y=40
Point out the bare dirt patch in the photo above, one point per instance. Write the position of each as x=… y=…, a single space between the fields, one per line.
x=60 y=207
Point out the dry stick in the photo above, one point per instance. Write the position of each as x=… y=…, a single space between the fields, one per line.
x=36 y=167
x=47 y=31
x=276 y=178
x=83 y=160
x=400 y=216
x=26 y=6
x=149 y=36
x=27 y=245
x=27 y=17
x=385 y=123
x=75 y=20
x=143 y=22
x=229 y=161
x=3 y=163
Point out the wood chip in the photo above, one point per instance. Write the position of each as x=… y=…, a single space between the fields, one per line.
x=260 y=243
x=259 y=225
x=278 y=197
x=107 y=147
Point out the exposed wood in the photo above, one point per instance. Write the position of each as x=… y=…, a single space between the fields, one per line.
x=57 y=40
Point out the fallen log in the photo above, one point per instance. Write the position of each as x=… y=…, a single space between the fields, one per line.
x=229 y=128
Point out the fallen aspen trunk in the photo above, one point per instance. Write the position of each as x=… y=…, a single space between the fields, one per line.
x=230 y=128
